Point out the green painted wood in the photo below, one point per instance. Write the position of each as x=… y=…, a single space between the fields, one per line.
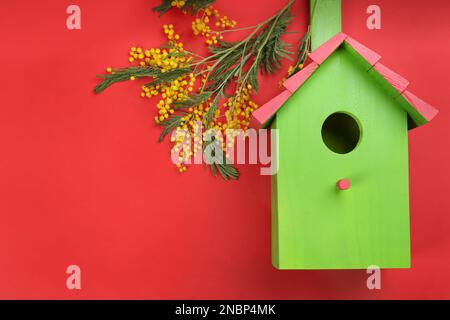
x=316 y=226
x=415 y=117
x=325 y=21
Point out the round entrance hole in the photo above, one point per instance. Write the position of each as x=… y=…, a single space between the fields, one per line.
x=341 y=133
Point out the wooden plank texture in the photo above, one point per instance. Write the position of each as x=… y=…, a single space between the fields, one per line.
x=325 y=20
x=293 y=83
x=262 y=116
x=326 y=49
x=369 y=55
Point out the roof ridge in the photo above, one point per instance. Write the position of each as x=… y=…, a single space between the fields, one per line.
x=420 y=111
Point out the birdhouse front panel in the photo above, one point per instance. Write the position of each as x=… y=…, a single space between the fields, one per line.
x=340 y=198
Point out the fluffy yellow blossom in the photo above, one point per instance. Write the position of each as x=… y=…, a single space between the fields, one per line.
x=240 y=107
x=178 y=3
x=233 y=113
x=201 y=26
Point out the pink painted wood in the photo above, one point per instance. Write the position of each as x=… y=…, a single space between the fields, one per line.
x=395 y=80
x=295 y=82
x=263 y=114
x=343 y=184
x=427 y=111
x=324 y=51
x=369 y=55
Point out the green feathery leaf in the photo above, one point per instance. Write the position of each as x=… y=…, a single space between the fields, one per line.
x=190 y=6
x=271 y=47
x=225 y=169
x=193 y=100
x=168 y=76
x=171 y=123
x=241 y=61
x=211 y=111
x=124 y=74
x=165 y=6
x=302 y=53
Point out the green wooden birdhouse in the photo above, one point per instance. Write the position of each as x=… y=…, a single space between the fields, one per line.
x=340 y=196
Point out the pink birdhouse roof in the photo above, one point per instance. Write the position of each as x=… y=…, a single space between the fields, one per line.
x=418 y=110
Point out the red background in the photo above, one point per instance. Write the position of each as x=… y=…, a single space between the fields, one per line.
x=83 y=181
